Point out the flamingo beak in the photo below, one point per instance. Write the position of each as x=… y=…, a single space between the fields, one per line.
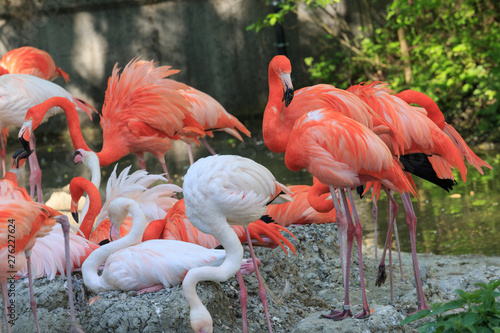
x=114 y=233
x=286 y=81
x=24 y=135
x=75 y=216
x=77 y=157
x=19 y=156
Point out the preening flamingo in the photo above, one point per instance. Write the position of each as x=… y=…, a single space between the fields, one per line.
x=18 y=93
x=147 y=266
x=140 y=114
x=32 y=61
x=219 y=191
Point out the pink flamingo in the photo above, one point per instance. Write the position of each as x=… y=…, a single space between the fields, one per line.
x=140 y=114
x=18 y=93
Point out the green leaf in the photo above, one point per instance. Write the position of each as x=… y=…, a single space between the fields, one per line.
x=416 y=316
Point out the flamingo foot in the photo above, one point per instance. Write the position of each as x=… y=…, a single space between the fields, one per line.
x=363 y=315
x=381 y=276
x=150 y=289
x=337 y=315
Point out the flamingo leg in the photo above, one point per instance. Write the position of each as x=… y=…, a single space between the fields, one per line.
x=32 y=296
x=75 y=326
x=399 y=250
x=5 y=300
x=345 y=254
x=243 y=300
x=411 y=221
x=393 y=211
x=262 y=289
x=375 y=217
x=390 y=272
x=358 y=233
x=35 y=172
x=3 y=153
x=140 y=158
x=205 y=143
x=190 y=154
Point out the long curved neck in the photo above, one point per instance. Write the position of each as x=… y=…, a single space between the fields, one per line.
x=99 y=256
x=95 y=205
x=71 y=117
x=317 y=197
x=416 y=97
x=274 y=130
x=234 y=254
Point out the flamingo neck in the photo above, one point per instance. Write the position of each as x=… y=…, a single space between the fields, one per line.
x=99 y=256
x=95 y=205
x=433 y=111
x=71 y=116
x=317 y=197
x=232 y=263
x=275 y=129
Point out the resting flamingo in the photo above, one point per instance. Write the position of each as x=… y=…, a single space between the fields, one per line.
x=144 y=266
x=32 y=61
x=140 y=114
x=220 y=191
x=18 y=93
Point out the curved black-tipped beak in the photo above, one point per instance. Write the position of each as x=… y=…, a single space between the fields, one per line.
x=75 y=216
x=77 y=153
x=288 y=96
x=25 y=143
x=20 y=155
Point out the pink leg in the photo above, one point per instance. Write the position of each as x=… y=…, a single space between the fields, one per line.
x=393 y=211
x=358 y=233
x=3 y=153
x=190 y=154
x=208 y=146
x=32 y=296
x=35 y=173
x=75 y=326
x=150 y=289
x=411 y=221
x=375 y=217
x=243 y=300
x=390 y=273
x=345 y=252
x=5 y=300
x=140 y=157
x=399 y=250
x=262 y=289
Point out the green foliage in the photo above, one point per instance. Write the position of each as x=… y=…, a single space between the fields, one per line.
x=480 y=312
x=448 y=49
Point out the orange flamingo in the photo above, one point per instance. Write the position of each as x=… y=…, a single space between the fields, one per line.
x=140 y=114
x=342 y=153
x=18 y=93
x=32 y=61
x=290 y=106
x=21 y=223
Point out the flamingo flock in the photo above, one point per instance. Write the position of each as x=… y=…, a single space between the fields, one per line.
x=142 y=237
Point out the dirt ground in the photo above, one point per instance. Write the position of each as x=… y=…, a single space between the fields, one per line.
x=299 y=288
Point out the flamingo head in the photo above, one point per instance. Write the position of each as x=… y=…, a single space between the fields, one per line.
x=201 y=320
x=78 y=156
x=24 y=135
x=19 y=158
x=281 y=66
x=76 y=192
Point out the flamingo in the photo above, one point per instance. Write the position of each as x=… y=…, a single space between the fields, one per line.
x=32 y=61
x=140 y=114
x=147 y=266
x=290 y=105
x=18 y=93
x=219 y=191
x=25 y=221
x=436 y=156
